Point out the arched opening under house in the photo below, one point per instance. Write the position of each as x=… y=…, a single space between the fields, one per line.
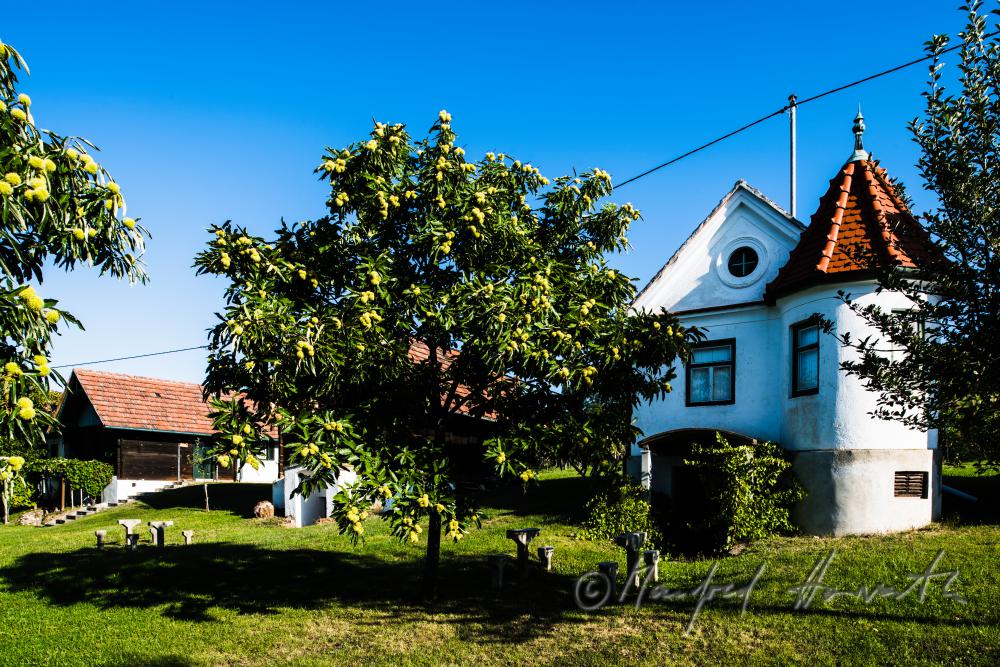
x=676 y=492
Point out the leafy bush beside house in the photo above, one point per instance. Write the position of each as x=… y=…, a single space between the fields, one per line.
x=749 y=492
x=22 y=497
x=11 y=481
x=91 y=477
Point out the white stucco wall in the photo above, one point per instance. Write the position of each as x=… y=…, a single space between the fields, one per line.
x=851 y=491
x=305 y=511
x=757 y=383
x=267 y=472
x=836 y=417
x=839 y=415
x=697 y=276
x=122 y=489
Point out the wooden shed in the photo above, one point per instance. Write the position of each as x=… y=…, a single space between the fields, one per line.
x=148 y=429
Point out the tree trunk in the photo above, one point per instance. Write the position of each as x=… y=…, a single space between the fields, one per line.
x=205 y=486
x=4 y=501
x=432 y=559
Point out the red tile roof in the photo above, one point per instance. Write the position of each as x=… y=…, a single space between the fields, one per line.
x=861 y=222
x=150 y=404
x=133 y=402
x=420 y=353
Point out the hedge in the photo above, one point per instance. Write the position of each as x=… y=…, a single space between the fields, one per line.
x=90 y=476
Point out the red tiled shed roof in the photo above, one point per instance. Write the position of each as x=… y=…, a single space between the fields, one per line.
x=861 y=222
x=420 y=353
x=150 y=404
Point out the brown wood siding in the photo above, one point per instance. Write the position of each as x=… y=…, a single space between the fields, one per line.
x=186 y=452
x=142 y=459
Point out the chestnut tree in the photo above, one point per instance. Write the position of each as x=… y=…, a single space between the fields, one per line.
x=437 y=290
x=58 y=206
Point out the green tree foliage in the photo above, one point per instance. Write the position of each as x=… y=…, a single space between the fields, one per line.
x=947 y=372
x=750 y=491
x=437 y=290
x=88 y=476
x=45 y=402
x=58 y=207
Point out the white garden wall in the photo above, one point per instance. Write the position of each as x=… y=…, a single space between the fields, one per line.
x=122 y=489
x=305 y=511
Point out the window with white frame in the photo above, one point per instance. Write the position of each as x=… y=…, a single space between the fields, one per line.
x=711 y=373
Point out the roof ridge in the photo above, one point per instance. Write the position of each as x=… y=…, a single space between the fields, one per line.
x=854 y=227
x=777 y=207
x=882 y=174
x=136 y=377
x=838 y=215
x=888 y=237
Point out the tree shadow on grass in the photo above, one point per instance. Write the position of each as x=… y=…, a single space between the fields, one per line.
x=986 y=509
x=188 y=582
x=559 y=500
x=237 y=499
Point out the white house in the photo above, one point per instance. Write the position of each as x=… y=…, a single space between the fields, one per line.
x=754 y=278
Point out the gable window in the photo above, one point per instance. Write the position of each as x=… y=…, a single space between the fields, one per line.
x=711 y=373
x=805 y=358
x=743 y=262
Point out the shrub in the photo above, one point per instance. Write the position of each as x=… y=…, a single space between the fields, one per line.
x=22 y=497
x=619 y=507
x=750 y=491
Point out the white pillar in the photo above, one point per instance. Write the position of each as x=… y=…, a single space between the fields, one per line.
x=646 y=468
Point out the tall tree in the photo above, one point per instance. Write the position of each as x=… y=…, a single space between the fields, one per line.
x=437 y=291
x=58 y=206
x=944 y=370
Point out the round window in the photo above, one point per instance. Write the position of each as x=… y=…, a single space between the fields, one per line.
x=743 y=261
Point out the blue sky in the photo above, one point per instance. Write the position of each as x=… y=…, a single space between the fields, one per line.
x=215 y=111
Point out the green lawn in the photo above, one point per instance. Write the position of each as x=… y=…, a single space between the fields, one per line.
x=252 y=592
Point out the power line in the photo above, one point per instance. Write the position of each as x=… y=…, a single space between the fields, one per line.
x=787 y=107
x=701 y=148
x=137 y=356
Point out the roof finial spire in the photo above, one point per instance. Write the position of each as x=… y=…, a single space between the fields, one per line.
x=859 y=129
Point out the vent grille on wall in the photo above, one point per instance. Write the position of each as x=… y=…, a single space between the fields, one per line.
x=911 y=484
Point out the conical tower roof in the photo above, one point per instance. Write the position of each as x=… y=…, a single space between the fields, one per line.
x=861 y=223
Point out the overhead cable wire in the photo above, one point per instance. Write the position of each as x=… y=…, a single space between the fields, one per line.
x=785 y=108
x=136 y=356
